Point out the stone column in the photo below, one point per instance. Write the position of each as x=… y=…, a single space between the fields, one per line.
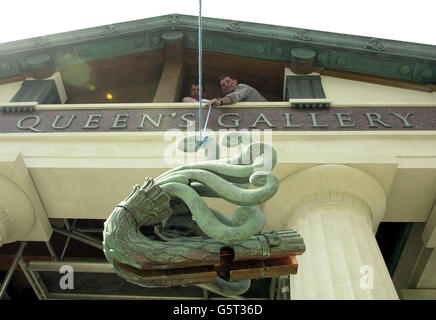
x=336 y=209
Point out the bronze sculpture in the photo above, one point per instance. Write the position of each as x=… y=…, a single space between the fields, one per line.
x=164 y=234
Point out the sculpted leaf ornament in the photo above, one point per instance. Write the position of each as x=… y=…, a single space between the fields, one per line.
x=164 y=234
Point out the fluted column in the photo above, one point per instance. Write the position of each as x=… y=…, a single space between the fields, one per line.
x=337 y=210
x=5 y=225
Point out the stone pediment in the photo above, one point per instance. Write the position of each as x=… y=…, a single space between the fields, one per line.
x=334 y=51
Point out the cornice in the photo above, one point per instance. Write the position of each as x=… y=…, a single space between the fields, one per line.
x=382 y=57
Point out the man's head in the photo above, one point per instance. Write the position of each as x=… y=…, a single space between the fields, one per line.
x=227 y=83
x=194 y=91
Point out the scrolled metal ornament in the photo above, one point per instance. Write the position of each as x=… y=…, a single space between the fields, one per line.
x=164 y=234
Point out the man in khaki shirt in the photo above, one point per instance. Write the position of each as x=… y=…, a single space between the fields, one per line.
x=235 y=92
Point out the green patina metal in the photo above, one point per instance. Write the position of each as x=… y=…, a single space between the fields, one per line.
x=166 y=226
x=381 y=57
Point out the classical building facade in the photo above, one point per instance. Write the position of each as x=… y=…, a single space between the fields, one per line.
x=86 y=115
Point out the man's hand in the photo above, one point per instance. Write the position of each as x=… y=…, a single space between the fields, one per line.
x=214 y=103
x=220 y=102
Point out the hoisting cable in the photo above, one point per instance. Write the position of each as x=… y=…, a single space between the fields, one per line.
x=205 y=127
x=200 y=87
x=200 y=80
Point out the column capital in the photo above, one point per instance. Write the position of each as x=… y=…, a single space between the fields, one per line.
x=300 y=206
x=324 y=184
x=17 y=216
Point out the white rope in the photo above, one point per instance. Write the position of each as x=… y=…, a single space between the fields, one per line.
x=200 y=87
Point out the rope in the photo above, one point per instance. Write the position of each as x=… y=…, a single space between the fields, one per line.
x=200 y=49
x=200 y=80
x=205 y=127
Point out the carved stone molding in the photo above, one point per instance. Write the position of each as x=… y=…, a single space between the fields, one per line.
x=234 y=26
x=304 y=204
x=376 y=44
x=41 y=65
x=42 y=42
x=302 y=35
x=174 y=20
x=327 y=185
x=302 y=60
x=108 y=30
x=172 y=36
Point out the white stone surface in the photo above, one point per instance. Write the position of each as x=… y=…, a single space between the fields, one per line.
x=336 y=209
x=342 y=258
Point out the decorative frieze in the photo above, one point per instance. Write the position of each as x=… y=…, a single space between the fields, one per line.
x=277 y=119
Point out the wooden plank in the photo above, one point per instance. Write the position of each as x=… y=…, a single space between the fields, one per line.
x=280 y=266
x=247 y=270
x=171 y=277
x=263 y=269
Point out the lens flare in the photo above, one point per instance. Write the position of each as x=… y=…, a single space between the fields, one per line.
x=91 y=86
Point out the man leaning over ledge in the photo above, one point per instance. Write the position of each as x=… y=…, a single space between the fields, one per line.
x=235 y=92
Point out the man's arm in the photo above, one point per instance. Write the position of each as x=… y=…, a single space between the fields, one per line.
x=220 y=102
x=189 y=99
x=240 y=93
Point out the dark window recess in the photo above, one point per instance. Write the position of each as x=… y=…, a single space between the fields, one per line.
x=42 y=91
x=304 y=87
x=391 y=238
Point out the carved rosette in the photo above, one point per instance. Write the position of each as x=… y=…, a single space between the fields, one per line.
x=6 y=225
x=234 y=26
x=376 y=44
x=108 y=30
x=302 y=35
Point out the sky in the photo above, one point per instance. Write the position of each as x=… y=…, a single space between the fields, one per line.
x=410 y=21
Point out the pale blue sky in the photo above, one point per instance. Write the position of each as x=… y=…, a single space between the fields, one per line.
x=411 y=21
